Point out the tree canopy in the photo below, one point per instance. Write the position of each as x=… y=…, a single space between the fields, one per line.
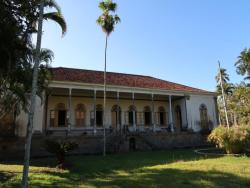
x=237 y=96
x=18 y=20
x=108 y=20
x=243 y=64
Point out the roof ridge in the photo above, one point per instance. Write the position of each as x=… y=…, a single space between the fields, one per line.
x=143 y=80
x=180 y=84
x=101 y=71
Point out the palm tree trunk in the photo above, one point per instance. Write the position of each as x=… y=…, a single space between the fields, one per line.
x=33 y=99
x=104 y=99
x=223 y=97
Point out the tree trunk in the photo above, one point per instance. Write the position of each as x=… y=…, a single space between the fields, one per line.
x=104 y=99
x=223 y=97
x=32 y=99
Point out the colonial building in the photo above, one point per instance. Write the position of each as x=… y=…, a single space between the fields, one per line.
x=135 y=103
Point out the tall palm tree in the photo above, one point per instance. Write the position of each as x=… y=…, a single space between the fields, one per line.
x=58 y=18
x=224 y=76
x=107 y=21
x=243 y=63
x=220 y=78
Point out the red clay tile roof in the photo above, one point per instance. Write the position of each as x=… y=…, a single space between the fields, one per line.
x=119 y=79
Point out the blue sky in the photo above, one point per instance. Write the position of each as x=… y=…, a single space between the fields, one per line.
x=175 y=40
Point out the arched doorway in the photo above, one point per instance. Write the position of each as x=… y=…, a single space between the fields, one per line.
x=58 y=117
x=147 y=116
x=116 y=116
x=80 y=112
x=178 y=118
x=99 y=115
x=203 y=117
x=162 y=116
x=132 y=115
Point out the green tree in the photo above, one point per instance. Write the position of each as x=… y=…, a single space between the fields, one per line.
x=107 y=21
x=14 y=92
x=240 y=103
x=58 y=18
x=228 y=87
x=222 y=78
x=16 y=23
x=243 y=64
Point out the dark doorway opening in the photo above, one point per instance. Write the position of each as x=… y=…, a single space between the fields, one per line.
x=99 y=118
x=130 y=118
x=147 y=116
x=132 y=144
x=162 y=122
x=178 y=118
x=61 y=118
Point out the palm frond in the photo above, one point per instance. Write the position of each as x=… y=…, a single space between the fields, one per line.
x=107 y=5
x=46 y=55
x=117 y=19
x=247 y=78
x=222 y=73
x=58 y=18
x=52 y=4
x=107 y=22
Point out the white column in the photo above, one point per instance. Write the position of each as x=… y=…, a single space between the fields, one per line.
x=69 y=109
x=94 y=111
x=185 y=98
x=118 y=113
x=134 y=120
x=170 y=113
x=153 y=112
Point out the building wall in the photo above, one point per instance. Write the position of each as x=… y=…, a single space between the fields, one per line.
x=22 y=119
x=193 y=110
x=88 y=103
x=182 y=104
x=190 y=118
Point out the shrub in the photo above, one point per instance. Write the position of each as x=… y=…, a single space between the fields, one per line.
x=233 y=140
x=60 y=148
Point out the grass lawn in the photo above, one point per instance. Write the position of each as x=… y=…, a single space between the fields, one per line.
x=175 y=168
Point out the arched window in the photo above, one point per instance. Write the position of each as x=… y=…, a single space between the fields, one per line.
x=58 y=117
x=80 y=113
x=203 y=116
x=132 y=114
x=99 y=115
x=147 y=116
x=116 y=116
x=161 y=116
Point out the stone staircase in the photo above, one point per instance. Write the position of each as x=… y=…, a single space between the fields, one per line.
x=131 y=141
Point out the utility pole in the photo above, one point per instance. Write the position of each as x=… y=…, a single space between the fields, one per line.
x=223 y=96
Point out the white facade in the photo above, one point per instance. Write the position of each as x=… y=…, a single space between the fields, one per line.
x=72 y=93
x=193 y=110
x=22 y=119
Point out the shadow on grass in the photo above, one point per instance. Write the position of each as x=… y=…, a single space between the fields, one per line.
x=134 y=160
x=171 y=178
x=5 y=176
x=174 y=178
x=130 y=170
x=137 y=159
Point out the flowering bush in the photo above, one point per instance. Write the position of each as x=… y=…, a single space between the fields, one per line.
x=233 y=140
